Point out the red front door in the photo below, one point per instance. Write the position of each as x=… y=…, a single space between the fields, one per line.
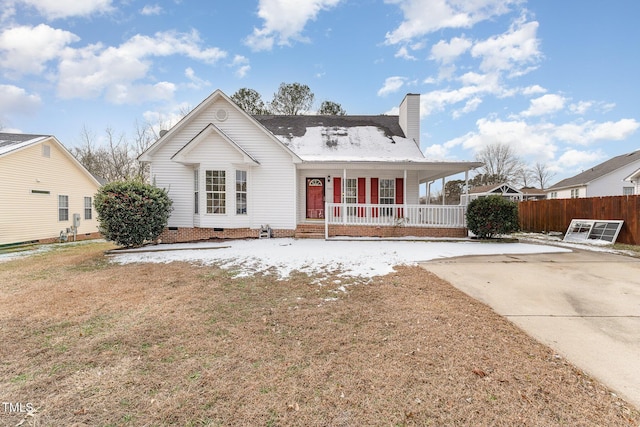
x=315 y=198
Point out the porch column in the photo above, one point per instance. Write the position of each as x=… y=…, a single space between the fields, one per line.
x=404 y=194
x=343 y=184
x=443 y=192
x=466 y=187
x=428 y=202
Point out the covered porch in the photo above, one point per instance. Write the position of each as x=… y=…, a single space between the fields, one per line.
x=379 y=199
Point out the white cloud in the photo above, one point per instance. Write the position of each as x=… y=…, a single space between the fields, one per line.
x=586 y=133
x=151 y=9
x=391 y=85
x=436 y=152
x=471 y=105
x=447 y=52
x=94 y=69
x=26 y=50
x=426 y=16
x=533 y=90
x=284 y=20
x=241 y=63
x=474 y=86
x=512 y=51
x=15 y=100
x=137 y=94
x=54 y=9
x=540 y=141
x=546 y=104
x=403 y=53
x=581 y=107
x=196 y=82
x=572 y=159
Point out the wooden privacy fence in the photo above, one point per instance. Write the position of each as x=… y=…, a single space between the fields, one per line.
x=538 y=216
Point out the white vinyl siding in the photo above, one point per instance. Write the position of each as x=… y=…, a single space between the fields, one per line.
x=29 y=192
x=270 y=184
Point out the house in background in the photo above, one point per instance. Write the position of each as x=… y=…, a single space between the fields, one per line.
x=507 y=191
x=605 y=179
x=532 y=193
x=43 y=188
x=634 y=179
x=233 y=175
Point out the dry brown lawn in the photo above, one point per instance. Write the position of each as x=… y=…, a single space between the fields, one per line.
x=88 y=342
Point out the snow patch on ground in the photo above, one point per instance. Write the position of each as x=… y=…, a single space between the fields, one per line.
x=353 y=258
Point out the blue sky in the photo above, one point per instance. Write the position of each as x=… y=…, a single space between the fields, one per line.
x=557 y=80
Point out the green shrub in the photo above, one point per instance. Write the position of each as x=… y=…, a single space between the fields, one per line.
x=131 y=212
x=493 y=215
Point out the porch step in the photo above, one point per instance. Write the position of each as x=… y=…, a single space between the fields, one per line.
x=309 y=231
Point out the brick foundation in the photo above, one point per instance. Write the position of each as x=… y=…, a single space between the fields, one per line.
x=183 y=234
x=391 y=231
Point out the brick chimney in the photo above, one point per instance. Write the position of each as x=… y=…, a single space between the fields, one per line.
x=410 y=117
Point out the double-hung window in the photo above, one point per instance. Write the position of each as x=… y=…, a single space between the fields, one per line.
x=575 y=193
x=216 y=192
x=387 y=194
x=63 y=208
x=241 y=192
x=87 y=208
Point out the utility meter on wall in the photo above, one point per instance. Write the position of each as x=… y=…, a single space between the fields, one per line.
x=76 y=220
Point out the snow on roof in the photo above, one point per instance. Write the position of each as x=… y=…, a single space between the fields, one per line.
x=343 y=138
x=361 y=143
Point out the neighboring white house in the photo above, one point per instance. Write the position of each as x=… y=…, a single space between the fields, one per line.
x=43 y=187
x=504 y=190
x=606 y=179
x=634 y=179
x=231 y=174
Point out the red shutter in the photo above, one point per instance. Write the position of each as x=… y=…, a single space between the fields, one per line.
x=337 y=195
x=399 y=191
x=362 y=195
x=337 y=190
x=374 y=196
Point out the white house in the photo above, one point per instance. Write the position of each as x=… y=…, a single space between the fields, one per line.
x=504 y=190
x=606 y=179
x=43 y=188
x=231 y=174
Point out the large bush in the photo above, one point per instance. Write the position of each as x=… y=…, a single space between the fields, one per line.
x=131 y=212
x=493 y=215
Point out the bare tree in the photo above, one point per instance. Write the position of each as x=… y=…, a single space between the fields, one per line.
x=500 y=160
x=542 y=174
x=525 y=177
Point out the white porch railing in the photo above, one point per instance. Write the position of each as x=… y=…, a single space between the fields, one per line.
x=436 y=216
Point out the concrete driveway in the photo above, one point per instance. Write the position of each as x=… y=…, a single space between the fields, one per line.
x=585 y=305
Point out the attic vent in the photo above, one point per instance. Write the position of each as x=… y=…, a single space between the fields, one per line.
x=221 y=114
x=163 y=132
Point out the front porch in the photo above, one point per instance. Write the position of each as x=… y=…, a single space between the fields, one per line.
x=387 y=220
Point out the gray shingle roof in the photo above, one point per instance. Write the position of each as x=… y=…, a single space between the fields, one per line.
x=598 y=171
x=292 y=126
x=13 y=141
